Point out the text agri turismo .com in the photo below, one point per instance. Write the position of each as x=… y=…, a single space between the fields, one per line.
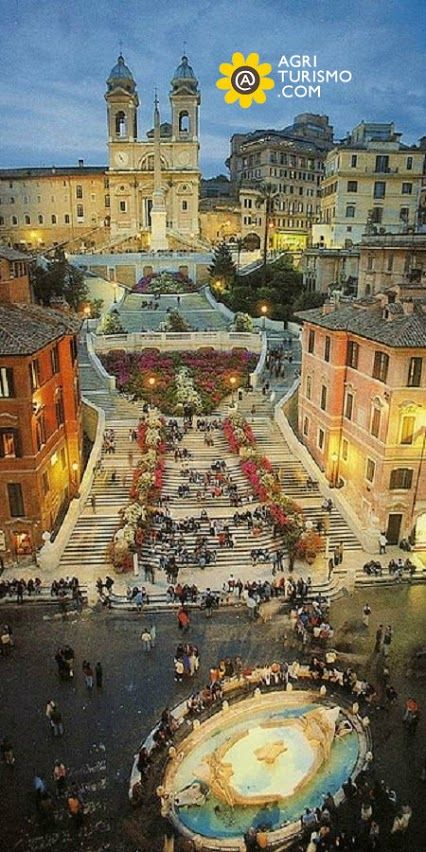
x=300 y=76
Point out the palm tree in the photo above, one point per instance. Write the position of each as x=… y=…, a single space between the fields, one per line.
x=266 y=197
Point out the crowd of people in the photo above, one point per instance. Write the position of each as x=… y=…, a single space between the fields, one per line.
x=63 y=588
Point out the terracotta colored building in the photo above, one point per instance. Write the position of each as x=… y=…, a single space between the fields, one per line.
x=40 y=412
x=362 y=409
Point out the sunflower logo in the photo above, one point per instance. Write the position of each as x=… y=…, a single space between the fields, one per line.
x=245 y=79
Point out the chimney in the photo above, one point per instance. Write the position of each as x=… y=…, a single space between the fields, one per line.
x=80 y=164
x=408 y=307
x=328 y=308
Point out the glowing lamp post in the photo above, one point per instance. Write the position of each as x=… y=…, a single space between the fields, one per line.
x=233 y=382
x=74 y=468
x=87 y=314
x=334 y=460
x=264 y=311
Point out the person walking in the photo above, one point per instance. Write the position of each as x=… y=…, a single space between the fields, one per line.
x=387 y=639
x=99 y=674
x=6 y=750
x=183 y=619
x=88 y=674
x=379 y=637
x=366 y=612
x=382 y=542
x=146 y=640
x=59 y=776
x=56 y=721
x=75 y=807
x=39 y=787
x=341 y=552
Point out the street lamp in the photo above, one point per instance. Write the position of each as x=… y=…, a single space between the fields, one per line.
x=264 y=311
x=115 y=293
x=233 y=381
x=74 y=468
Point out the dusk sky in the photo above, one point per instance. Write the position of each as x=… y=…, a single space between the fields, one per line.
x=56 y=56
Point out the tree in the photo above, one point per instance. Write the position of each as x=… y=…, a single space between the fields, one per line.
x=111 y=324
x=266 y=197
x=240 y=245
x=222 y=266
x=57 y=277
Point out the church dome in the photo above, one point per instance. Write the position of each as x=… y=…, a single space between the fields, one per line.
x=184 y=73
x=121 y=75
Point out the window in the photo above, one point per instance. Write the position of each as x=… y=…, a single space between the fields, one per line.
x=379 y=189
x=14 y=220
x=354 y=160
x=63 y=459
x=401 y=477
x=1 y=220
x=382 y=163
x=350 y=211
x=370 y=470
x=345 y=449
x=311 y=341
x=54 y=360
x=73 y=348
x=380 y=367
x=349 y=405
x=80 y=211
x=390 y=263
x=107 y=201
x=35 y=374
x=352 y=186
x=407 y=429
x=6 y=382
x=67 y=219
x=79 y=191
x=414 y=373
x=16 y=502
x=59 y=407
x=53 y=219
x=40 y=431
x=308 y=387
x=375 y=421
x=323 y=401
x=123 y=206
x=27 y=219
x=404 y=214
x=10 y=443
x=40 y=219
x=407 y=188
x=45 y=483
x=306 y=426
x=327 y=343
x=77 y=395
x=352 y=355
x=184 y=205
x=409 y=164
x=377 y=215
x=321 y=438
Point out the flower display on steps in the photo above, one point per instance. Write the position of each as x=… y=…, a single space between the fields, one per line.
x=186 y=392
x=165 y=282
x=146 y=486
x=286 y=513
x=210 y=372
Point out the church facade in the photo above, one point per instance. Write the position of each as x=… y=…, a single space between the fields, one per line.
x=146 y=197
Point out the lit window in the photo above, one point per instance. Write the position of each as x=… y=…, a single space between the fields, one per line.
x=401 y=477
x=407 y=429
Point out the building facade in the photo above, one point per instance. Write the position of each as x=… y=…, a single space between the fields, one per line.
x=362 y=409
x=132 y=162
x=40 y=413
x=108 y=206
x=330 y=268
x=293 y=161
x=371 y=183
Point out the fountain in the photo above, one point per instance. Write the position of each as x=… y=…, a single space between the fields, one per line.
x=261 y=761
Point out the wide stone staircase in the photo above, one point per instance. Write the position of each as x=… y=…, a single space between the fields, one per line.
x=136 y=315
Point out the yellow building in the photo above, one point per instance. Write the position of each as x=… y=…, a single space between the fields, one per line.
x=293 y=161
x=42 y=207
x=112 y=206
x=362 y=409
x=372 y=184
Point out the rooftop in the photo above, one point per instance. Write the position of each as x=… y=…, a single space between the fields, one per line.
x=25 y=329
x=12 y=255
x=367 y=320
x=41 y=171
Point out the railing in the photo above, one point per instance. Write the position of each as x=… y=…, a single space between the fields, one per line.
x=164 y=340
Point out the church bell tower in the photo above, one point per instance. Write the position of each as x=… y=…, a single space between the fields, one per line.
x=122 y=104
